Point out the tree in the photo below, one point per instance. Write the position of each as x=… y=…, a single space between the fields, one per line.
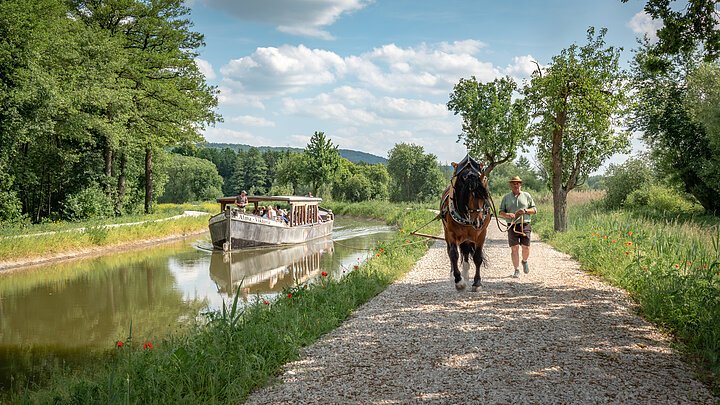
x=414 y=175
x=494 y=125
x=684 y=28
x=191 y=179
x=288 y=171
x=623 y=179
x=170 y=100
x=703 y=101
x=250 y=173
x=321 y=160
x=577 y=102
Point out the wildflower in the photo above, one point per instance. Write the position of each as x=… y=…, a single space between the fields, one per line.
x=355 y=267
x=290 y=295
x=677 y=266
x=147 y=345
x=266 y=302
x=614 y=240
x=119 y=343
x=645 y=268
x=688 y=263
x=378 y=255
x=324 y=274
x=407 y=240
x=627 y=253
x=382 y=251
x=628 y=243
x=604 y=236
x=629 y=233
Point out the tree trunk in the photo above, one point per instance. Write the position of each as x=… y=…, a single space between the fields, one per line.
x=108 y=161
x=148 y=179
x=121 y=185
x=560 y=209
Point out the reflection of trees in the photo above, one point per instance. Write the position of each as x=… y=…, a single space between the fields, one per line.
x=95 y=305
x=267 y=270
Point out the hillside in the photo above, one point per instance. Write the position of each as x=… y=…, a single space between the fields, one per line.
x=351 y=155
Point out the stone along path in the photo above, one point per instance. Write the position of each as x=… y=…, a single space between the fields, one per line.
x=556 y=335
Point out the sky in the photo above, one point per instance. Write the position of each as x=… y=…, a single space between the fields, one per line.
x=374 y=73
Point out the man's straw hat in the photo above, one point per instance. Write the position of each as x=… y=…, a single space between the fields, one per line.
x=515 y=179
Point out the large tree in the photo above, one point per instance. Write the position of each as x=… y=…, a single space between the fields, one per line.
x=493 y=125
x=170 y=100
x=577 y=101
x=414 y=175
x=321 y=160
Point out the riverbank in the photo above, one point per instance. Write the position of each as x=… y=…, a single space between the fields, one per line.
x=30 y=250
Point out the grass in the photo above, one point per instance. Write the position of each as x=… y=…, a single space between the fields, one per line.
x=670 y=267
x=68 y=237
x=238 y=348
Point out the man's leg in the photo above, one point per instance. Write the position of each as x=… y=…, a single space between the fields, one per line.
x=515 y=255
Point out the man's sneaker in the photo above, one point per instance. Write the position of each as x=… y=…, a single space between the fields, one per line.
x=526 y=267
x=517 y=273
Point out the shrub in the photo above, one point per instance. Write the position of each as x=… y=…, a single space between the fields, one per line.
x=623 y=179
x=90 y=202
x=660 y=199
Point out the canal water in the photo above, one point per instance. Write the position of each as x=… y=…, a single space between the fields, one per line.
x=62 y=312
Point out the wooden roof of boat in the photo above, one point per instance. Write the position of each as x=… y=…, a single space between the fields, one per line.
x=291 y=199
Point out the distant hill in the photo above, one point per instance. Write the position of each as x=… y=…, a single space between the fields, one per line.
x=351 y=155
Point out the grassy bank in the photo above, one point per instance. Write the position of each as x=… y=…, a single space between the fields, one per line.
x=237 y=350
x=670 y=267
x=28 y=241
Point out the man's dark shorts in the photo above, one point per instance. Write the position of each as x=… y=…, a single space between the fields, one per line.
x=519 y=234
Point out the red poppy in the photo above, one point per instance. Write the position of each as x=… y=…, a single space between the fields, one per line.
x=627 y=253
x=677 y=266
x=119 y=343
x=614 y=240
x=382 y=251
x=266 y=302
x=290 y=295
x=324 y=274
x=630 y=233
x=378 y=255
x=147 y=345
x=355 y=267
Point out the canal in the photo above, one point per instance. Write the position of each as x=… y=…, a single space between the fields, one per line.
x=67 y=311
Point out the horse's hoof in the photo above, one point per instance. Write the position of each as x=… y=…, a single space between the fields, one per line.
x=460 y=286
x=475 y=288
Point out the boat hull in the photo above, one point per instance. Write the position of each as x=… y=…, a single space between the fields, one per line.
x=232 y=230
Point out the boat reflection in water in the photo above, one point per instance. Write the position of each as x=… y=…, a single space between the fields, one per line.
x=267 y=270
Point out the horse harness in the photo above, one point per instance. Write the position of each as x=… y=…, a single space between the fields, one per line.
x=480 y=221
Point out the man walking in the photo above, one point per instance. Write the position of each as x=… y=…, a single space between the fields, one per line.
x=516 y=207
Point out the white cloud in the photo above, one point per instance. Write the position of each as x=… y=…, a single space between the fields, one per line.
x=273 y=71
x=225 y=135
x=205 y=68
x=642 y=23
x=229 y=97
x=521 y=67
x=251 y=121
x=296 y=17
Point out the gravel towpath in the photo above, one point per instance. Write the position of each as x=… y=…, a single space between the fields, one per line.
x=555 y=335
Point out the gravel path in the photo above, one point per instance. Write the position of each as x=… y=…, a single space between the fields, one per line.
x=556 y=335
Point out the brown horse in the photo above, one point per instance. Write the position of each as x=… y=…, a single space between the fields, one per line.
x=465 y=212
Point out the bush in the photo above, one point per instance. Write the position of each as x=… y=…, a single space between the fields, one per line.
x=91 y=202
x=626 y=178
x=191 y=179
x=660 y=199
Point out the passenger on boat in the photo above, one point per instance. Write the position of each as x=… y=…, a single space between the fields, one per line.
x=282 y=214
x=270 y=213
x=241 y=200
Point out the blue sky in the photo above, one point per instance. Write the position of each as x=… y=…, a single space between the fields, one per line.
x=374 y=73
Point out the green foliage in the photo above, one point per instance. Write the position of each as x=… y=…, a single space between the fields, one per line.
x=703 y=101
x=360 y=182
x=578 y=101
x=621 y=180
x=685 y=27
x=191 y=179
x=661 y=200
x=321 y=160
x=498 y=179
x=414 y=175
x=90 y=202
x=494 y=125
x=250 y=173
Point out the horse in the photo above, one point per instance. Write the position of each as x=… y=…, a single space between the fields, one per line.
x=465 y=212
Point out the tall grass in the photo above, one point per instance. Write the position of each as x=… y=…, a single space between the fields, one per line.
x=671 y=267
x=238 y=349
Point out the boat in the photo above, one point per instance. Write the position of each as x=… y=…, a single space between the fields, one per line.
x=268 y=270
x=237 y=228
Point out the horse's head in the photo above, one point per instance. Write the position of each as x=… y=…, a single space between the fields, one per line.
x=471 y=192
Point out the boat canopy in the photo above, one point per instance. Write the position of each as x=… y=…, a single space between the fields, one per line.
x=255 y=199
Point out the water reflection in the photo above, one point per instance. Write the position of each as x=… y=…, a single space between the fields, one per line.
x=263 y=271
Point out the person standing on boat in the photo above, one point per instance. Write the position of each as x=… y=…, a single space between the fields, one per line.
x=241 y=201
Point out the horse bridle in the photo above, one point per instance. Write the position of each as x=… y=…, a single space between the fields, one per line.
x=484 y=211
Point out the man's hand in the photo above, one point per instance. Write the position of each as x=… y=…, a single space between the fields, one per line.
x=510 y=215
x=521 y=211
